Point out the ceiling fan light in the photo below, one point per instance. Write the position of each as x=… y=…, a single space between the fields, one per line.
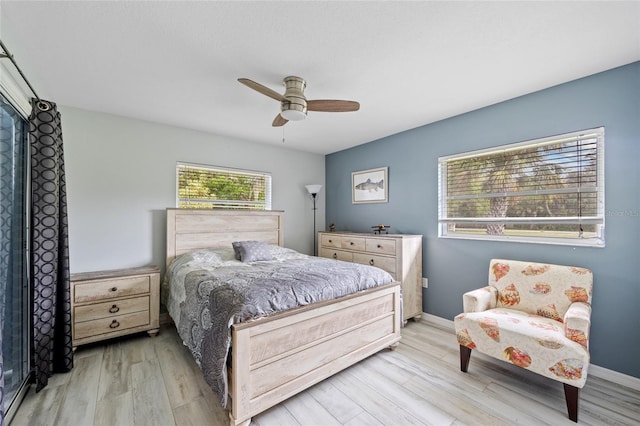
x=293 y=114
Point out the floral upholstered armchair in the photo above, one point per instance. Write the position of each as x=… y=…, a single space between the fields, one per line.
x=536 y=316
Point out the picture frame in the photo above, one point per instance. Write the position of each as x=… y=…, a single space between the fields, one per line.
x=370 y=186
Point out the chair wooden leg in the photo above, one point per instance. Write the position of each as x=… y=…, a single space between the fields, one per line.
x=465 y=355
x=571 y=395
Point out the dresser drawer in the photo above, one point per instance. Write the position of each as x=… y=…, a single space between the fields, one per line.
x=336 y=254
x=381 y=246
x=331 y=240
x=385 y=263
x=111 y=309
x=353 y=243
x=109 y=289
x=110 y=325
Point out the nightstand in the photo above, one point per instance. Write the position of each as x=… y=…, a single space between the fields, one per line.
x=114 y=303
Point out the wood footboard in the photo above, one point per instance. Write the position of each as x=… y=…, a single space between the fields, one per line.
x=274 y=358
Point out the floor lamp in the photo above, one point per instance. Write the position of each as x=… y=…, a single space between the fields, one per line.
x=313 y=190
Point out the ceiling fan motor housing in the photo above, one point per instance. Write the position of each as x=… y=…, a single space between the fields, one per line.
x=295 y=108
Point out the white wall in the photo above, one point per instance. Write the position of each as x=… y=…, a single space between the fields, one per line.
x=120 y=176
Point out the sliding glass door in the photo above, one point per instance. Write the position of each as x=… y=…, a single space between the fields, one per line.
x=14 y=291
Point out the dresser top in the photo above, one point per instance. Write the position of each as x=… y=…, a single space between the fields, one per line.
x=369 y=234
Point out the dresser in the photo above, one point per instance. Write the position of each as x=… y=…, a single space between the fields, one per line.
x=108 y=304
x=398 y=254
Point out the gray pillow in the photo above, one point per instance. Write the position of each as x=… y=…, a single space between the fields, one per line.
x=252 y=251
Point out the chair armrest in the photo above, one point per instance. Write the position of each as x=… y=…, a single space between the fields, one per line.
x=577 y=321
x=480 y=299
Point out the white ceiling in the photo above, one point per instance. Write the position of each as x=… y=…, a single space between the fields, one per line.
x=407 y=63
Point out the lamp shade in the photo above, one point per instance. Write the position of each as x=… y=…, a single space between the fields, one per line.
x=313 y=189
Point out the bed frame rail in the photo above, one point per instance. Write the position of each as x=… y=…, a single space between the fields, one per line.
x=276 y=357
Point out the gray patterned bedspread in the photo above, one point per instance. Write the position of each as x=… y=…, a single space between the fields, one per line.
x=208 y=291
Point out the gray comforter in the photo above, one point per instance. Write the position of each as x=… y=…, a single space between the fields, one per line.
x=208 y=292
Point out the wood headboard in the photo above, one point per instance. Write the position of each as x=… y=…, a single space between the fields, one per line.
x=191 y=229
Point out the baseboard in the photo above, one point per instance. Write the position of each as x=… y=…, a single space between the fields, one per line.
x=595 y=370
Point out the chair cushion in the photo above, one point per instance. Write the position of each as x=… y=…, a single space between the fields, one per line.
x=531 y=341
x=542 y=289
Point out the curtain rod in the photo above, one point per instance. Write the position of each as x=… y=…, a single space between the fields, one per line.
x=6 y=54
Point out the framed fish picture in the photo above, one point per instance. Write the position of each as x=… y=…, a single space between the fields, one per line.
x=370 y=186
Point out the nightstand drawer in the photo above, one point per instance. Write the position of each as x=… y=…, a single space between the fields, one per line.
x=381 y=245
x=336 y=254
x=112 y=288
x=110 y=325
x=111 y=309
x=385 y=263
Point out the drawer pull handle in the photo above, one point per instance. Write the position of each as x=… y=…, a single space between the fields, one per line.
x=114 y=324
x=114 y=289
x=330 y=241
x=351 y=243
x=379 y=246
x=114 y=309
x=335 y=255
x=371 y=262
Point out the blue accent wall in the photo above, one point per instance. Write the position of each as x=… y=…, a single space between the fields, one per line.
x=610 y=99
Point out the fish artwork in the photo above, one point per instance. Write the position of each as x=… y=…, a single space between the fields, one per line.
x=368 y=185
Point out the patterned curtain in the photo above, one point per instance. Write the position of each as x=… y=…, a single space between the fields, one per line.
x=49 y=245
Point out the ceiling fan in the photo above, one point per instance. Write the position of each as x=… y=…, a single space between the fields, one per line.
x=294 y=105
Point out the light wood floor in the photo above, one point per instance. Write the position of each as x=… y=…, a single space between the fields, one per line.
x=154 y=381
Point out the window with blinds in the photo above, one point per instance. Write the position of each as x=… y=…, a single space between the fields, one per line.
x=200 y=186
x=548 y=190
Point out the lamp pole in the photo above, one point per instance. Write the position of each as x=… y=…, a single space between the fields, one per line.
x=313 y=191
x=314 y=223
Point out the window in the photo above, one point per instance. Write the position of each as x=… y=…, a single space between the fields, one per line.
x=548 y=190
x=206 y=187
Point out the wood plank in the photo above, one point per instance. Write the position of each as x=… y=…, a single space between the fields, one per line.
x=418 y=407
x=304 y=407
x=200 y=411
x=276 y=416
x=151 y=405
x=373 y=400
x=179 y=377
x=114 y=410
x=337 y=403
x=79 y=404
x=115 y=374
x=41 y=408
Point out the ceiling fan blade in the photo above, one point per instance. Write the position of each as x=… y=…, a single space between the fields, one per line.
x=279 y=121
x=262 y=89
x=332 y=105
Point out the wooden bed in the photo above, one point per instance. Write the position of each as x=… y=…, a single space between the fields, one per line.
x=275 y=357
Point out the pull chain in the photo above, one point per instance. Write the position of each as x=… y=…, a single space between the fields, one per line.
x=282 y=134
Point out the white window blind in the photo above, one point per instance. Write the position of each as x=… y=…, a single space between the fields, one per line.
x=547 y=190
x=201 y=186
